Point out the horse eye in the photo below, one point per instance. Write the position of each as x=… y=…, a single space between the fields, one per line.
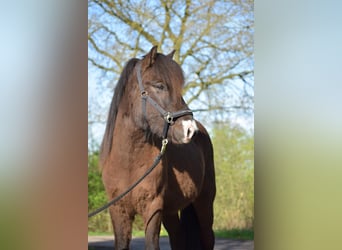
x=159 y=86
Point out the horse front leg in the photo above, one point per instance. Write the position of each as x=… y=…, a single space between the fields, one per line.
x=152 y=218
x=205 y=214
x=176 y=233
x=122 y=225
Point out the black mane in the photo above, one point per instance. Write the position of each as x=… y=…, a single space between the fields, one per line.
x=119 y=91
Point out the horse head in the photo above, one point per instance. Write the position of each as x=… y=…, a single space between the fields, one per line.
x=157 y=98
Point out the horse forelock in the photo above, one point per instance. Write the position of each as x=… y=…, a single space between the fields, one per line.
x=119 y=91
x=171 y=74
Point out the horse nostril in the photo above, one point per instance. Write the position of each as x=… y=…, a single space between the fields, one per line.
x=190 y=133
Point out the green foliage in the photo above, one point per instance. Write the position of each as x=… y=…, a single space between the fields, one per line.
x=96 y=196
x=96 y=193
x=234 y=165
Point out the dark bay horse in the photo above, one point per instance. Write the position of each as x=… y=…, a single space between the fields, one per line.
x=180 y=191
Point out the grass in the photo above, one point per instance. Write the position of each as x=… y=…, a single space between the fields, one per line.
x=237 y=234
x=163 y=233
x=99 y=233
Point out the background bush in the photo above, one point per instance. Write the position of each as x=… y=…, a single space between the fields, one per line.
x=234 y=165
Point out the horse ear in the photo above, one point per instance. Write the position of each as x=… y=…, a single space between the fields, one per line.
x=150 y=57
x=171 y=54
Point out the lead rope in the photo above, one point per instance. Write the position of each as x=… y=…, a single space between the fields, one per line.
x=129 y=189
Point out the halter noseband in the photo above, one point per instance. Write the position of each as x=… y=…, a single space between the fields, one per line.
x=169 y=117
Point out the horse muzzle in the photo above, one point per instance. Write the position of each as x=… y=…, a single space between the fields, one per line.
x=183 y=131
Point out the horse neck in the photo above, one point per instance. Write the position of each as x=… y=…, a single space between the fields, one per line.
x=128 y=136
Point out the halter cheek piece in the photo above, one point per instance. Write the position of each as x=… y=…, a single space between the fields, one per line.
x=168 y=117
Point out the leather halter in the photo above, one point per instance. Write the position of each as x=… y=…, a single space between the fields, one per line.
x=168 y=116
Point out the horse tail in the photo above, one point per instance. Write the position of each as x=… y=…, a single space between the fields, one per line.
x=190 y=224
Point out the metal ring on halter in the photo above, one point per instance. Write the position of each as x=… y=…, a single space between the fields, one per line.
x=169 y=118
x=144 y=93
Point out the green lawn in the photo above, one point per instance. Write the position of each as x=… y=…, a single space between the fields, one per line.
x=238 y=234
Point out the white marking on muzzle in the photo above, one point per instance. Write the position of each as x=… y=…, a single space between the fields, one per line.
x=189 y=129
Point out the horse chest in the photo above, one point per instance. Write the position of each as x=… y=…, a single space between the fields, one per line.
x=189 y=184
x=183 y=186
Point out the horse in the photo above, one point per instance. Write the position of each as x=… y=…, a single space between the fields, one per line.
x=180 y=191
